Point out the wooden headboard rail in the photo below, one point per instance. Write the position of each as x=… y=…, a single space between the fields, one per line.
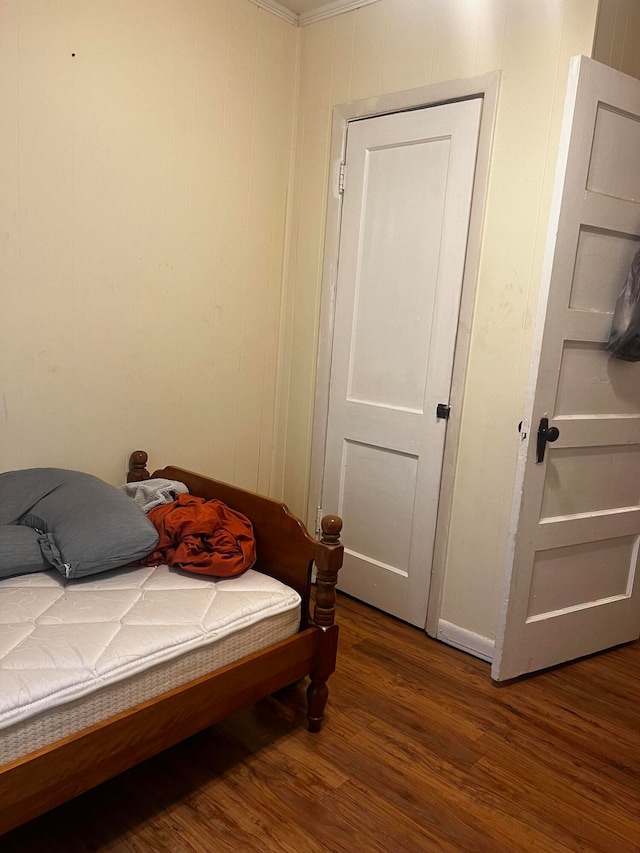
x=282 y=541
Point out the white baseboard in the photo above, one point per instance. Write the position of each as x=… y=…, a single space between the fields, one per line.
x=466 y=641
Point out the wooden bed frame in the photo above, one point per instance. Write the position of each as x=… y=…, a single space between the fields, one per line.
x=41 y=780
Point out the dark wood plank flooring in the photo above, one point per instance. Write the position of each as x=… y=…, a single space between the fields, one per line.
x=420 y=752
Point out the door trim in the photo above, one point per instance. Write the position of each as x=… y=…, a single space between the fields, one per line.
x=487 y=87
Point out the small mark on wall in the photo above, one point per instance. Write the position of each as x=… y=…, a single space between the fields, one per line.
x=5 y=407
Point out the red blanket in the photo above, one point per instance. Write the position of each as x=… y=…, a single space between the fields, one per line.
x=202 y=536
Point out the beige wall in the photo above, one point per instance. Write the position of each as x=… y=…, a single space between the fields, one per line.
x=617 y=41
x=399 y=44
x=146 y=202
x=142 y=217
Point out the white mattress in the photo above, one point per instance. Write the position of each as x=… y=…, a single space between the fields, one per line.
x=75 y=652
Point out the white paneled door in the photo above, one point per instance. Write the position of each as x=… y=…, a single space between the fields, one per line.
x=572 y=587
x=409 y=180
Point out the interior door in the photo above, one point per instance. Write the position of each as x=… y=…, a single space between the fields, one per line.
x=409 y=179
x=571 y=587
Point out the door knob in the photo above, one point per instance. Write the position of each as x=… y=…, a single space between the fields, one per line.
x=545 y=434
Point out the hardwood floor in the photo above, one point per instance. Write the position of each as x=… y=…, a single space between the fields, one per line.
x=420 y=752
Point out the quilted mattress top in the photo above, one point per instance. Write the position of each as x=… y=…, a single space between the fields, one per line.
x=61 y=639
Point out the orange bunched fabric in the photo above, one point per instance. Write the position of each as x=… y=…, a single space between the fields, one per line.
x=202 y=536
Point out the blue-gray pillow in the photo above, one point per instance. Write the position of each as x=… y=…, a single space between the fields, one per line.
x=84 y=524
x=20 y=552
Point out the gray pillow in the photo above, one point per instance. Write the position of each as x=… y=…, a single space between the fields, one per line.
x=20 y=551
x=84 y=524
x=20 y=490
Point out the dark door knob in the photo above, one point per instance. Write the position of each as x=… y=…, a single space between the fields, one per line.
x=545 y=434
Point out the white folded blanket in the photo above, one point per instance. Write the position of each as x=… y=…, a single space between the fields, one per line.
x=152 y=493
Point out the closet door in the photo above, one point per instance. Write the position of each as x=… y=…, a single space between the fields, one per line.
x=571 y=586
x=409 y=180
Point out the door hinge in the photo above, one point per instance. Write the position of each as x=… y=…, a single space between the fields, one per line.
x=443 y=411
x=318 y=520
x=341 y=179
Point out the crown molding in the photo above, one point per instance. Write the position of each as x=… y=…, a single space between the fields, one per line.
x=337 y=7
x=278 y=10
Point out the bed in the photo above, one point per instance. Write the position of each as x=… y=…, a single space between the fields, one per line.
x=67 y=763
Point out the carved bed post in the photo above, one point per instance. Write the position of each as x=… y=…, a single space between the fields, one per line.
x=138 y=467
x=329 y=555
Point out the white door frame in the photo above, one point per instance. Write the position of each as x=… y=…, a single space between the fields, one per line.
x=487 y=87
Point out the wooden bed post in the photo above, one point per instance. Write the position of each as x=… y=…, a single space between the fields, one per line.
x=138 y=467
x=329 y=555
